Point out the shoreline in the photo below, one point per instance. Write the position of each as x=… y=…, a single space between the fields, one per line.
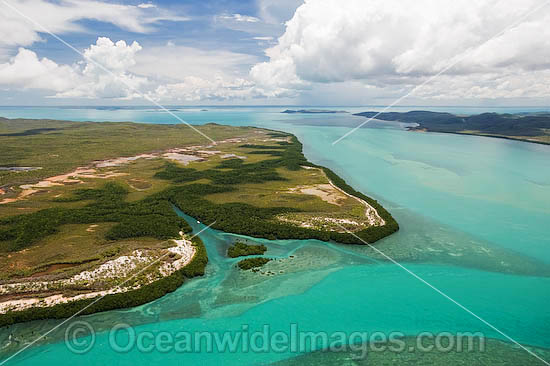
x=114 y=301
x=183 y=247
x=59 y=306
x=424 y=129
x=369 y=207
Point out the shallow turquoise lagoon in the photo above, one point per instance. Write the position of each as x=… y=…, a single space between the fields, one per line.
x=474 y=215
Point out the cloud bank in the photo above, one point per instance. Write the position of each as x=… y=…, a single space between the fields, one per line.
x=116 y=70
x=396 y=43
x=352 y=48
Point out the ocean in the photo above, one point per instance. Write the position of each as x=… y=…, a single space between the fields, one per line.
x=474 y=214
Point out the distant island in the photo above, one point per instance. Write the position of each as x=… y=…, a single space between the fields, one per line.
x=531 y=127
x=311 y=111
x=90 y=209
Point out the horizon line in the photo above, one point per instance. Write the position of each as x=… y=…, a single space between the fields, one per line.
x=267 y=106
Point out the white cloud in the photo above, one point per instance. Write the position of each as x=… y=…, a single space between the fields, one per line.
x=116 y=57
x=86 y=80
x=166 y=74
x=520 y=84
x=65 y=15
x=194 y=89
x=385 y=43
x=147 y=6
x=248 y=24
x=118 y=83
x=239 y=18
x=187 y=74
x=174 y=63
x=27 y=71
x=263 y=38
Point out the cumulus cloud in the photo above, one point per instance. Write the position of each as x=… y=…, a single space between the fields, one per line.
x=65 y=15
x=117 y=82
x=384 y=43
x=83 y=80
x=116 y=57
x=117 y=70
x=27 y=71
x=164 y=72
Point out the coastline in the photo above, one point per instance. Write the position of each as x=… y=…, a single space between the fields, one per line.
x=369 y=207
x=225 y=218
x=56 y=306
x=142 y=295
x=424 y=129
x=108 y=270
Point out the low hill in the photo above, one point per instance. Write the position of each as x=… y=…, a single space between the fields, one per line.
x=533 y=127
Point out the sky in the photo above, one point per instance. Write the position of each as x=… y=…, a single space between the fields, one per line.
x=275 y=52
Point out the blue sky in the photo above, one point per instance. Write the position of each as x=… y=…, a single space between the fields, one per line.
x=323 y=52
x=202 y=30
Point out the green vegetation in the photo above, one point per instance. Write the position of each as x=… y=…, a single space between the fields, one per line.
x=250 y=263
x=61 y=146
x=370 y=234
x=245 y=219
x=128 y=299
x=526 y=127
x=150 y=217
x=241 y=249
x=278 y=134
x=311 y=111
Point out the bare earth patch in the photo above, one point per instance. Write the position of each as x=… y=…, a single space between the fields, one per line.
x=371 y=213
x=230 y=156
x=326 y=192
x=111 y=275
x=91 y=228
x=22 y=195
x=181 y=158
x=180 y=155
x=332 y=194
x=324 y=222
x=122 y=161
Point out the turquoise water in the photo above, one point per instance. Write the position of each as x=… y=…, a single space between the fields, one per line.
x=474 y=215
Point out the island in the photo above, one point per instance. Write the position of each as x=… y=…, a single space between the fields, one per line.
x=253 y=263
x=240 y=249
x=88 y=210
x=311 y=111
x=529 y=127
